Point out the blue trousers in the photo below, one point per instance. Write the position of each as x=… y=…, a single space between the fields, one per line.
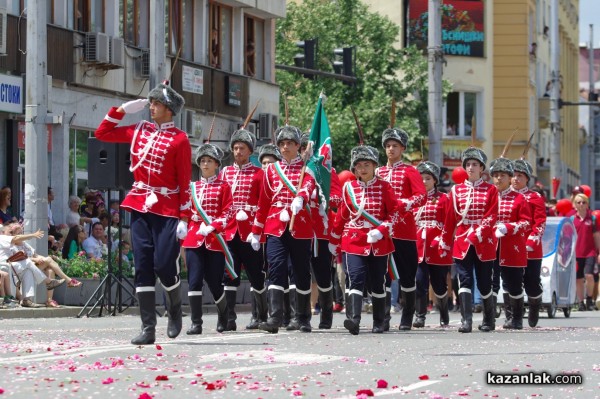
x=362 y=269
x=279 y=250
x=532 y=280
x=321 y=265
x=205 y=265
x=253 y=262
x=155 y=248
x=469 y=265
x=435 y=274
x=407 y=261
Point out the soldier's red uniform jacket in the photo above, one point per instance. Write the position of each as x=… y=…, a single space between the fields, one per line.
x=245 y=183
x=537 y=209
x=410 y=194
x=375 y=197
x=275 y=199
x=161 y=162
x=471 y=220
x=430 y=222
x=514 y=214
x=214 y=197
x=321 y=228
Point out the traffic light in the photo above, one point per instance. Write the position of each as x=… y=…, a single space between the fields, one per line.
x=346 y=65
x=307 y=59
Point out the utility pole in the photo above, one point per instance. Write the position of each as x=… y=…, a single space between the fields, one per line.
x=555 y=162
x=157 y=43
x=435 y=58
x=591 y=133
x=36 y=136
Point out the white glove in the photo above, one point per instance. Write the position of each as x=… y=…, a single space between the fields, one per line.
x=206 y=230
x=182 y=229
x=500 y=230
x=254 y=240
x=332 y=249
x=297 y=205
x=374 y=236
x=134 y=106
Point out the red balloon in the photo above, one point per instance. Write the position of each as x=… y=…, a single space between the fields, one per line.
x=587 y=190
x=563 y=206
x=346 y=175
x=596 y=213
x=459 y=175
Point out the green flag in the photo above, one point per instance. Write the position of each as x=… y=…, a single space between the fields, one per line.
x=319 y=163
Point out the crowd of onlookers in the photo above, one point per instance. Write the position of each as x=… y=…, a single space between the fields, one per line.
x=90 y=229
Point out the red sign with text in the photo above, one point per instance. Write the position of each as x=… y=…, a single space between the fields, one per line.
x=21 y=136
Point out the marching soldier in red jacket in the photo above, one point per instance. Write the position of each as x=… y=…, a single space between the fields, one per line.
x=512 y=229
x=245 y=181
x=158 y=200
x=433 y=266
x=410 y=193
x=363 y=226
x=537 y=209
x=469 y=233
x=285 y=194
x=206 y=248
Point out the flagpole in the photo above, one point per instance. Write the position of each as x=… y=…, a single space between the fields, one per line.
x=305 y=158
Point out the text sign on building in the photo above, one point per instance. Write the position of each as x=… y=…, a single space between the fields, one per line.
x=462 y=26
x=12 y=92
x=233 y=88
x=193 y=80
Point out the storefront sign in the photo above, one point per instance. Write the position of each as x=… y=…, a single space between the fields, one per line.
x=12 y=92
x=193 y=80
x=462 y=26
x=233 y=88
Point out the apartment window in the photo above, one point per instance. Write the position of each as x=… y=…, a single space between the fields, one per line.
x=78 y=160
x=461 y=114
x=220 y=36
x=134 y=22
x=88 y=15
x=174 y=34
x=254 y=39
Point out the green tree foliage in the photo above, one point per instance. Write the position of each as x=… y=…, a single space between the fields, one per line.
x=345 y=23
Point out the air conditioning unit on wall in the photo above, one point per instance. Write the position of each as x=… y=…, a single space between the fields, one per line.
x=117 y=52
x=267 y=124
x=142 y=65
x=97 y=48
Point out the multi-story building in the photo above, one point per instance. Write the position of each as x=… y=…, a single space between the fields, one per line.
x=497 y=58
x=219 y=56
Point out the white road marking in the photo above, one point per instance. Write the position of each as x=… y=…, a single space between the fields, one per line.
x=57 y=354
x=398 y=390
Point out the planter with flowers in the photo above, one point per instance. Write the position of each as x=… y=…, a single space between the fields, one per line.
x=89 y=271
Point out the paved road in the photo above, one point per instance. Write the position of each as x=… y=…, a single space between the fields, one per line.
x=91 y=358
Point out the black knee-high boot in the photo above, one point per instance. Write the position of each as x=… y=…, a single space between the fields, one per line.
x=326 y=304
x=466 y=311
x=222 y=314
x=388 y=311
x=420 y=311
x=175 y=322
x=408 y=310
x=534 y=311
x=352 y=322
x=196 y=308
x=378 y=315
x=231 y=297
x=303 y=313
x=253 y=325
x=489 y=316
x=517 y=305
x=147 y=303
x=507 y=311
x=276 y=312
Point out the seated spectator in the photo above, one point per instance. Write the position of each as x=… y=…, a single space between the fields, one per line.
x=74 y=242
x=28 y=273
x=5 y=200
x=73 y=216
x=95 y=245
x=44 y=263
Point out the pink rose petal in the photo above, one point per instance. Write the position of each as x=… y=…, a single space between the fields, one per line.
x=382 y=384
